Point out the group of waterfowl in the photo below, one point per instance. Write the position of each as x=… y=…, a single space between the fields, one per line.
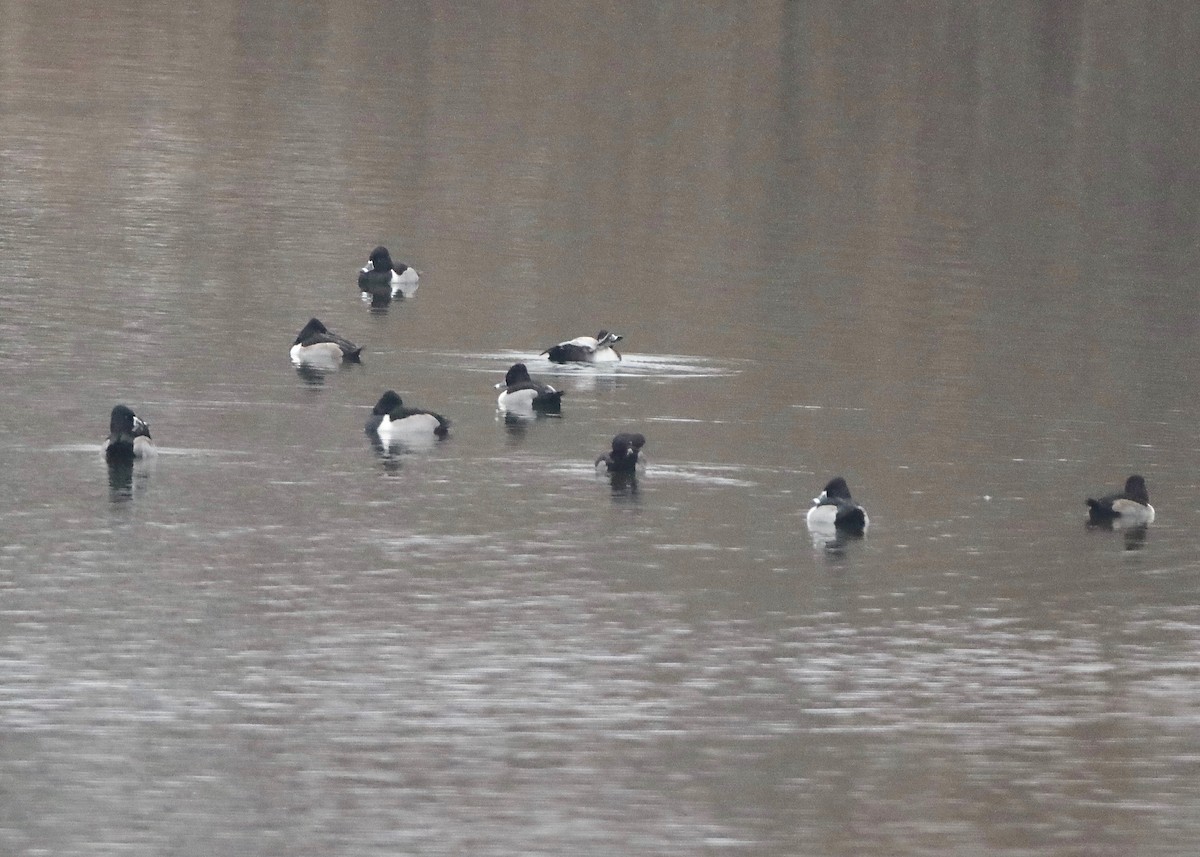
x=317 y=346
x=836 y=510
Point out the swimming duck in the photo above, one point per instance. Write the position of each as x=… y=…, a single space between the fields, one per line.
x=520 y=392
x=834 y=507
x=623 y=457
x=1130 y=506
x=586 y=349
x=317 y=344
x=381 y=273
x=390 y=418
x=128 y=436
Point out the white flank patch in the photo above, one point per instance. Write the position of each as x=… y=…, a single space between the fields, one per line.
x=1133 y=513
x=519 y=400
x=417 y=424
x=320 y=354
x=822 y=516
x=143 y=448
x=605 y=355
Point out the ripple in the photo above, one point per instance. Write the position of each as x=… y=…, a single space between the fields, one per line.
x=97 y=449
x=700 y=474
x=635 y=365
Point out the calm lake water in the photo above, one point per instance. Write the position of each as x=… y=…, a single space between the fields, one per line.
x=948 y=251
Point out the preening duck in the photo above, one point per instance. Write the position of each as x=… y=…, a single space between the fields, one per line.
x=835 y=508
x=316 y=345
x=128 y=436
x=624 y=456
x=586 y=349
x=520 y=392
x=1130 y=507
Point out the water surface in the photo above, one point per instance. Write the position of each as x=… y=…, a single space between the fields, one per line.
x=945 y=251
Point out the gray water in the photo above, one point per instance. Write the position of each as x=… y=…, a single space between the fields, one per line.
x=948 y=251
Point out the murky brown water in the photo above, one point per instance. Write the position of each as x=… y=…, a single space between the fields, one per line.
x=948 y=251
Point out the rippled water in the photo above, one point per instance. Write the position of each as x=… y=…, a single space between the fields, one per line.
x=945 y=251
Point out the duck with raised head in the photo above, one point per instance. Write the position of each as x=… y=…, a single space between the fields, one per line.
x=317 y=345
x=519 y=392
x=624 y=456
x=836 y=508
x=383 y=275
x=1128 y=507
x=391 y=419
x=586 y=349
x=128 y=436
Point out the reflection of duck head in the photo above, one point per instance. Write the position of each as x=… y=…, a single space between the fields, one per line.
x=624 y=483
x=313 y=376
x=1135 y=537
x=120 y=480
x=379 y=299
x=516 y=424
x=127 y=475
x=391 y=456
x=831 y=540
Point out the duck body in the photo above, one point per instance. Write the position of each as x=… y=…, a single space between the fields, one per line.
x=128 y=436
x=624 y=456
x=1130 y=506
x=383 y=275
x=318 y=345
x=390 y=418
x=836 y=508
x=519 y=392
x=586 y=349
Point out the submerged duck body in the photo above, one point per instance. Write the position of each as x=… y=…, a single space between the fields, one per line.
x=1130 y=506
x=520 y=392
x=382 y=274
x=624 y=456
x=836 y=508
x=317 y=344
x=586 y=349
x=128 y=436
x=390 y=418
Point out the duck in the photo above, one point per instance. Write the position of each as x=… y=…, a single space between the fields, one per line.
x=520 y=392
x=317 y=344
x=128 y=436
x=390 y=418
x=624 y=455
x=1130 y=506
x=381 y=273
x=586 y=349
x=835 y=507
